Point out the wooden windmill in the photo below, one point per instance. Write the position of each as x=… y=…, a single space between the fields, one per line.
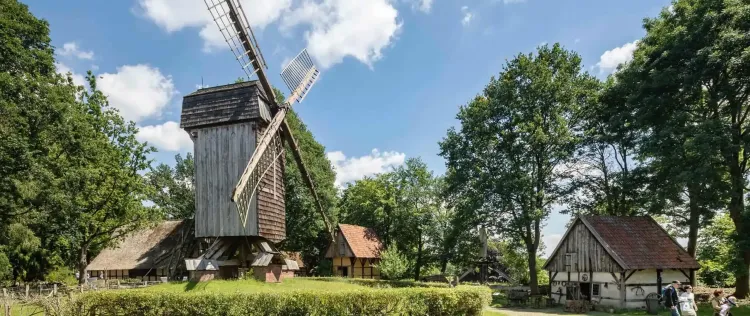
x=238 y=132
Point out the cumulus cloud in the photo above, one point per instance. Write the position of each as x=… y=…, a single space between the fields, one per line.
x=609 y=61
x=342 y=28
x=138 y=91
x=71 y=49
x=62 y=69
x=467 y=16
x=354 y=168
x=422 y=5
x=174 y=15
x=167 y=136
x=334 y=29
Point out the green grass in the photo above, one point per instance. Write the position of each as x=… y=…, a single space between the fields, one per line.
x=24 y=310
x=703 y=310
x=234 y=286
x=499 y=301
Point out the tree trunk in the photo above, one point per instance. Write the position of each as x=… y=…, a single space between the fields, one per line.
x=418 y=264
x=736 y=210
x=693 y=227
x=533 y=282
x=82 y=263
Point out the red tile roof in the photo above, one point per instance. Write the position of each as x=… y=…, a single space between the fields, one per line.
x=639 y=242
x=363 y=241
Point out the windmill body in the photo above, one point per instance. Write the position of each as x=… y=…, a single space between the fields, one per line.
x=225 y=123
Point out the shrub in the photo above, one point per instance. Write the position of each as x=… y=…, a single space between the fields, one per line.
x=393 y=264
x=463 y=300
x=62 y=275
x=380 y=284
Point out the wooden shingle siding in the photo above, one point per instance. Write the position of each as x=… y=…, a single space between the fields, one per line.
x=222 y=105
x=271 y=206
x=221 y=155
x=585 y=252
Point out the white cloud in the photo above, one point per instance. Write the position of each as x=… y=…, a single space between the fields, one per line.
x=550 y=242
x=138 y=91
x=94 y=67
x=609 y=61
x=513 y=1
x=174 y=15
x=421 y=5
x=467 y=16
x=342 y=28
x=167 y=136
x=78 y=79
x=576 y=41
x=354 y=168
x=70 y=49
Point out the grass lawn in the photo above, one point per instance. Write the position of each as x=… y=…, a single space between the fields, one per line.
x=233 y=286
x=703 y=310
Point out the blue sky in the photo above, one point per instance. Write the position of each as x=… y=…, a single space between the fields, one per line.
x=394 y=72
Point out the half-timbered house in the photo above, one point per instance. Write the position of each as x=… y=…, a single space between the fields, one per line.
x=616 y=261
x=355 y=252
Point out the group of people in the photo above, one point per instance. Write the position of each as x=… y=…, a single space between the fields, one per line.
x=683 y=304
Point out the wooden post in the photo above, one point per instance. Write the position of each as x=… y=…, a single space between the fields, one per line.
x=54 y=289
x=623 y=290
x=5 y=293
x=40 y=290
x=27 y=291
x=658 y=281
x=7 y=309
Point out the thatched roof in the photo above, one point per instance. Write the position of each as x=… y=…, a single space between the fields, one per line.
x=144 y=249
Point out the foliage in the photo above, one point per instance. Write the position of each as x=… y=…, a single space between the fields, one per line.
x=504 y=160
x=515 y=259
x=716 y=253
x=6 y=269
x=405 y=301
x=687 y=88
x=62 y=275
x=393 y=264
x=173 y=188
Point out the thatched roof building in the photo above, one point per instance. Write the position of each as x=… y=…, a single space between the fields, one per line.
x=148 y=254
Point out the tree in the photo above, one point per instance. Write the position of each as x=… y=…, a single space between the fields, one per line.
x=513 y=140
x=513 y=257
x=716 y=253
x=104 y=188
x=690 y=71
x=393 y=264
x=173 y=188
x=370 y=202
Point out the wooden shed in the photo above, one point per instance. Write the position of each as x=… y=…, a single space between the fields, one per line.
x=616 y=261
x=355 y=252
x=225 y=123
x=146 y=254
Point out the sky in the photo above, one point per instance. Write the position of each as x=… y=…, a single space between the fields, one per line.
x=394 y=72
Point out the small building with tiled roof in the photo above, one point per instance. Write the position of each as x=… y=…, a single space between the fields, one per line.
x=616 y=261
x=355 y=252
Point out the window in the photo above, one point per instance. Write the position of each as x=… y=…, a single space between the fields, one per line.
x=596 y=290
x=571 y=261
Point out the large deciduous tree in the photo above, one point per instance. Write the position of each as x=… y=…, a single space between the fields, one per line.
x=513 y=140
x=174 y=187
x=691 y=74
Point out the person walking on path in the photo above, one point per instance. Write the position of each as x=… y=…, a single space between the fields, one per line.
x=717 y=300
x=687 y=302
x=671 y=298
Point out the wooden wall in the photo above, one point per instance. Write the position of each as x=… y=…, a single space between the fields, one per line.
x=271 y=206
x=356 y=267
x=580 y=251
x=221 y=155
x=339 y=248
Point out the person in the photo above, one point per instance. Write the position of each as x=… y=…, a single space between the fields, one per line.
x=716 y=301
x=687 y=302
x=728 y=304
x=671 y=299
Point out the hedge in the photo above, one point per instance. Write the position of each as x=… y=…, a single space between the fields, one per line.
x=381 y=283
x=463 y=300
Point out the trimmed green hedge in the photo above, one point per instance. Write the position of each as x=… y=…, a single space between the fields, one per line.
x=463 y=300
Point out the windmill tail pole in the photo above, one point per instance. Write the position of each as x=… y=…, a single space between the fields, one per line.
x=307 y=178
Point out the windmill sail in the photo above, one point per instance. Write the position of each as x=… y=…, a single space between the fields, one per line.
x=299 y=75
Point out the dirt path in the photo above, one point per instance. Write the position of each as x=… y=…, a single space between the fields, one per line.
x=539 y=312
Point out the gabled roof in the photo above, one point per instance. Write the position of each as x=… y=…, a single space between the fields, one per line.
x=143 y=249
x=635 y=242
x=363 y=241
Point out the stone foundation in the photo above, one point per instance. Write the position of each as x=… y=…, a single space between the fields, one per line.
x=272 y=273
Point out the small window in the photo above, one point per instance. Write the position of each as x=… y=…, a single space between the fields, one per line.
x=595 y=291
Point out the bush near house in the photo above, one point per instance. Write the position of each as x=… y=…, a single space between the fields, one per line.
x=463 y=300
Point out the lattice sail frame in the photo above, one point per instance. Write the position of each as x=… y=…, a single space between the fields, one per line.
x=220 y=13
x=244 y=198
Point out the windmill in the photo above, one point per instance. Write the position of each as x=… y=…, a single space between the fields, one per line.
x=238 y=132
